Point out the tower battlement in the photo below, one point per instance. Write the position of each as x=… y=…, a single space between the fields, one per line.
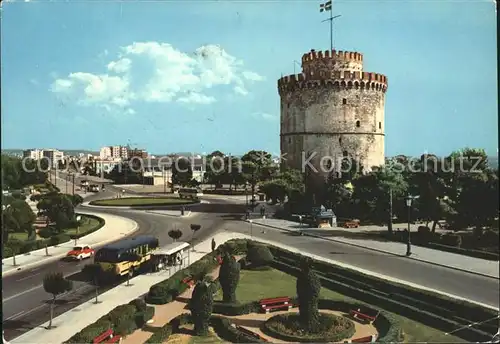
x=341 y=79
x=333 y=54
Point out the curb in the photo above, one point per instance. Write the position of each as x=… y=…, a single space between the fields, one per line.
x=379 y=250
x=59 y=256
x=188 y=214
x=145 y=207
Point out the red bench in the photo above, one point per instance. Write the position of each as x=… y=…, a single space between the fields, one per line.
x=275 y=303
x=189 y=281
x=250 y=333
x=106 y=337
x=364 y=315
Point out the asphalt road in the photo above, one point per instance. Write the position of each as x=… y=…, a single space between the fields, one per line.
x=26 y=304
x=470 y=286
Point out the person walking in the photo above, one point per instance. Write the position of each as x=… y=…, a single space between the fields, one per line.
x=213 y=244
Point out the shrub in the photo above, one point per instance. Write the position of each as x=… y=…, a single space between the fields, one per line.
x=229 y=276
x=143 y=316
x=489 y=239
x=201 y=307
x=330 y=328
x=451 y=240
x=259 y=255
x=139 y=304
x=88 y=334
x=308 y=289
x=28 y=246
x=6 y=252
x=235 y=308
x=47 y=232
x=180 y=320
x=223 y=328
x=59 y=239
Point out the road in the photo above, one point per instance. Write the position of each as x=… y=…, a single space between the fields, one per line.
x=24 y=304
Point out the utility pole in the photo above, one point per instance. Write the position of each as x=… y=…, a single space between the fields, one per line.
x=327 y=6
x=73 y=183
x=389 y=225
x=164 y=180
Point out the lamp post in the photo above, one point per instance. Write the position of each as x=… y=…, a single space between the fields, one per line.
x=78 y=218
x=251 y=228
x=409 y=202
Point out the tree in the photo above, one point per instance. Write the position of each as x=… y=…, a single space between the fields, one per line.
x=58 y=208
x=215 y=168
x=175 y=234
x=93 y=272
x=76 y=200
x=182 y=172
x=54 y=283
x=201 y=305
x=16 y=176
x=18 y=217
x=257 y=166
x=282 y=185
x=308 y=289
x=229 y=276
x=195 y=228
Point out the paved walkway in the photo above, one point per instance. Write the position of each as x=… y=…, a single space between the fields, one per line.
x=85 y=314
x=452 y=260
x=78 y=318
x=114 y=228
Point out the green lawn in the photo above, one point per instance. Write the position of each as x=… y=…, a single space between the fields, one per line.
x=255 y=285
x=88 y=224
x=142 y=201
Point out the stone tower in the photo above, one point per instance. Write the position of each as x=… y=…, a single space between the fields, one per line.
x=333 y=109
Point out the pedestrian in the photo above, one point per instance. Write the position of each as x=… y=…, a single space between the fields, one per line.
x=213 y=244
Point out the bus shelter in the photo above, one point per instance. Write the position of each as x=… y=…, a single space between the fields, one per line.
x=174 y=256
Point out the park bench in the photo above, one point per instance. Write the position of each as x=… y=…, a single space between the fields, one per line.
x=364 y=315
x=189 y=281
x=107 y=337
x=250 y=333
x=368 y=339
x=275 y=303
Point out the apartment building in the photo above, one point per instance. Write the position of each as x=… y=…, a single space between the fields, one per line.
x=53 y=156
x=114 y=153
x=35 y=154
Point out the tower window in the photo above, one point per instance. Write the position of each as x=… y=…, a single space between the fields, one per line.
x=344 y=153
x=344 y=101
x=358 y=124
x=380 y=125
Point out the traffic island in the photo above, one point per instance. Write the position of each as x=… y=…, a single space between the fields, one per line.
x=143 y=202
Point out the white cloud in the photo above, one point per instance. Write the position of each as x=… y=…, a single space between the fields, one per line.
x=265 y=116
x=120 y=66
x=173 y=76
x=196 y=98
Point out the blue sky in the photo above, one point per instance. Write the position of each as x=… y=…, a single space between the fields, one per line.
x=201 y=75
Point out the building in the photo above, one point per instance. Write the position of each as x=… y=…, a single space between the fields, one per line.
x=332 y=110
x=35 y=154
x=137 y=153
x=53 y=156
x=105 y=153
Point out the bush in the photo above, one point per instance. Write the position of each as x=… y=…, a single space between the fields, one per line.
x=142 y=317
x=47 y=232
x=28 y=246
x=6 y=252
x=331 y=328
x=223 y=328
x=235 y=308
x=451 y=240
x=180 y=320
x=139 y=304
x=489 y=239
x=59 y=239
x=88 y=334
x=259 y=255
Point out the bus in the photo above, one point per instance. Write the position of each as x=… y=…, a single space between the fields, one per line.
x=174 y=254
x=126 y=256
x=192 y=193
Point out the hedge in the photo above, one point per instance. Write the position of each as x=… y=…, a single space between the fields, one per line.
x=161 y=334
x=123 y=319
x=166 y=291
x=225 y=330
x=371 y=290
x=33 y=245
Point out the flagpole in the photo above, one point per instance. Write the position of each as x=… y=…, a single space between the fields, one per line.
x=331 y=30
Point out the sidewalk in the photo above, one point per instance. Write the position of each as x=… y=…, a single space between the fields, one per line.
x=455 y=261
x=114 y=228
x=78 y=318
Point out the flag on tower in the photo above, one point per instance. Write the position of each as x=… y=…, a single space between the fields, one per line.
x=327 y=6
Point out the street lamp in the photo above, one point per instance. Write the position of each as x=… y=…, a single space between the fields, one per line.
x=409 y=202
x=251 y=228
x=78 y=219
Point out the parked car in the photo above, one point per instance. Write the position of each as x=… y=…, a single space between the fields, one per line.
x=81 y=252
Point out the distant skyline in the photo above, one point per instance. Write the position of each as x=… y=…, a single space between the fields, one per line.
x=201 y=76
